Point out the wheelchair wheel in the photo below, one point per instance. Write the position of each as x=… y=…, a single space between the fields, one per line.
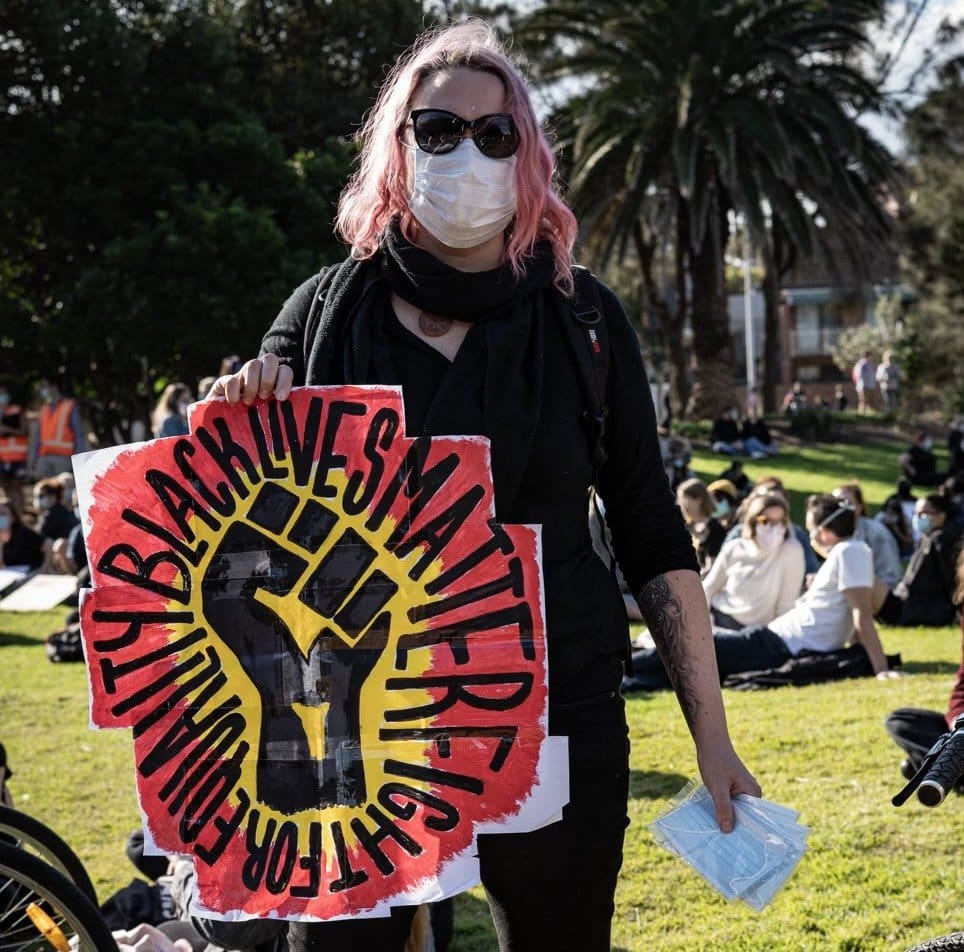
x=942 y=943
x=41 y=910
x=23 y=831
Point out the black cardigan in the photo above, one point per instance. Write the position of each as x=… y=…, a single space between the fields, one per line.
x=586 y=619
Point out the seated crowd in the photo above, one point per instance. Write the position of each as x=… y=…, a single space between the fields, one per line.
x=777 y=590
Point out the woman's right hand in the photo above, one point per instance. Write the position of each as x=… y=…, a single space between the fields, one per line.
x=261 y=377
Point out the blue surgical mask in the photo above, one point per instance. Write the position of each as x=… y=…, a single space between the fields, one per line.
x=4 y=523
x=922 y=523
x=722 y=509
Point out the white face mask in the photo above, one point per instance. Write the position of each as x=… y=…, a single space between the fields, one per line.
x=770 y=538
x=463 y=197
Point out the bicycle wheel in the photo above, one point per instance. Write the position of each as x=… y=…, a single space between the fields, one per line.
x=35 y=837
x=42 y=910
x=954 y=942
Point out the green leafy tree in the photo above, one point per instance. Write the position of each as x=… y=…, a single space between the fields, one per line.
x=312 y=68
x=693 y=109
x=151 y=223
x=932 y=232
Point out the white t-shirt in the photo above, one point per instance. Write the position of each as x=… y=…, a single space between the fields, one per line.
x=822 y=619
x=754 y=586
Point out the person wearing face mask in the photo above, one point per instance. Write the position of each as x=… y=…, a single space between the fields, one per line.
x=59 y=433
x=170 y=414
x=919 y=464
x=925 y=594
x=457 y=289
x=759 y=575
x=836 y=609
x=20 y=546
x=55 y=520
x=725 y=499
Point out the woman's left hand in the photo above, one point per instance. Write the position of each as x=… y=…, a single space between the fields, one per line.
x=725 y=775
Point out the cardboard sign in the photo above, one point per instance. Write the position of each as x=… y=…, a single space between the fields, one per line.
x=332 y=658
x=39 y=593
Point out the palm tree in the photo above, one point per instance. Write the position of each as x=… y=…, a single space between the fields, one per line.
x=694 y=109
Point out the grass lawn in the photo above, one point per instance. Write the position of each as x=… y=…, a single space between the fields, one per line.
x=875 y=877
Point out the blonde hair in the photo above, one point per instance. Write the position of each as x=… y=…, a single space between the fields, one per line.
x=696 y=489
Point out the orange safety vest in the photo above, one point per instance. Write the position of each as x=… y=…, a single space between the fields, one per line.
x=13 y=448
x=56 y=435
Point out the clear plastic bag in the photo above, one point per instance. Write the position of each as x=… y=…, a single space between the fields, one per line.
x=752 y=862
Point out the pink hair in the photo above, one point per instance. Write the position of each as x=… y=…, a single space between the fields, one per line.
x=377 y=191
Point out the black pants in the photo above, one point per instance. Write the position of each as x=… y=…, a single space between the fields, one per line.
x=550 y=889
x=754 y=648
x=914 y=730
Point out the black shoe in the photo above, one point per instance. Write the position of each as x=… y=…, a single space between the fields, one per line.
x=907 y=770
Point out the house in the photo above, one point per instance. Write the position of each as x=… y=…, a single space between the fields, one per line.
x=820 y=298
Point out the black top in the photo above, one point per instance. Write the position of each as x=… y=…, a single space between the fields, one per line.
x=930 y=579
x=585 y=614
x=57 y=522
x=756 y=428
x=724 y=430
x=24 y=548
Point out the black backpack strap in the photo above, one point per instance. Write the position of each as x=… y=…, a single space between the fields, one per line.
x=588 y=324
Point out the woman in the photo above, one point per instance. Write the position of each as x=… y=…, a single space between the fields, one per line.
x=707 y=532
x=725 y=501
x=170 y=415
x=457 y=284
x=759 y=575
x=20 y=547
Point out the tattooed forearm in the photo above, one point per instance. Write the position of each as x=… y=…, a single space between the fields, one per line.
x=666 y=617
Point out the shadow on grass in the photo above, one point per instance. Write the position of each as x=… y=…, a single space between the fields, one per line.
x=653 y=784
x=15 y=638
x=928 y=667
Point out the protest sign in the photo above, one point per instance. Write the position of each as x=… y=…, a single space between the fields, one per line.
x=332 y=658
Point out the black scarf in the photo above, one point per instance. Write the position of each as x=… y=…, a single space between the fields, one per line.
x=508 y=358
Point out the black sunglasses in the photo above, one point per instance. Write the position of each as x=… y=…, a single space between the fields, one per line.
x=438 y=131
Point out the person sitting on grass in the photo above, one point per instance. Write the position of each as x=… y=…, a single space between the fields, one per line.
x=887 y=564
x=766 y=486
x=734 y=474
x=725 y=498
x=20 y=546
x=759 y=575
x=757 y=439
x=925 y=594
x=919 y=464
x=893 y=519
x=697 y=505
x=725 y=433
x=915 y=729
x=835 y=610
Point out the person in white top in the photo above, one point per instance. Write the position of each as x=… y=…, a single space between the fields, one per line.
x=758 y=575
x=835 y=610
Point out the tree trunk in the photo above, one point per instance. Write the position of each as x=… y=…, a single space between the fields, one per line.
x=670 y=325
x=712 y=358
x=771 y=325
